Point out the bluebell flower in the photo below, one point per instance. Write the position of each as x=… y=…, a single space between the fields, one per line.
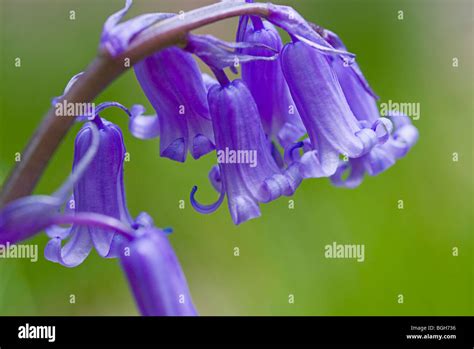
x=154 y=272
x=247 y=169
x=265 y=80
x=332 y=127
x=362 y=101
x=172 y=81
x=99 y=190
x=239 y=130
x=151 y=266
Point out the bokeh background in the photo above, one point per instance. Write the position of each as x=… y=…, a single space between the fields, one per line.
x=407 y=251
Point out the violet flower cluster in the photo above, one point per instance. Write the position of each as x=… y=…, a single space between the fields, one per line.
x=300 y=110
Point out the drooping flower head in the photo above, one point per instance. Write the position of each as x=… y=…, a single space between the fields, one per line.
x=362 y=101
x=154 y=273
x=239 y=138
x=99 y=190
x=332 y=127
x=265 y=80
x=172 y=82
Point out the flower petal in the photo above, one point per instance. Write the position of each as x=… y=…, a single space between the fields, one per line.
x=351 y=71
x=116 y=37
x=143 y=127
x=248 y=170
x=355 y=177
x=74 y=252
x=331 y=125
x=101 y=189
x=215 y=178
x=173 y=83
x=155 y=275
x=60 y=231
x=267 y=84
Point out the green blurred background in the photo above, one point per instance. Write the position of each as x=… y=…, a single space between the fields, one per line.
x=407 y=251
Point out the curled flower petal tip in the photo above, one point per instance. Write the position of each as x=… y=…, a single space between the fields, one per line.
x=141 y=126
x=206 y=209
